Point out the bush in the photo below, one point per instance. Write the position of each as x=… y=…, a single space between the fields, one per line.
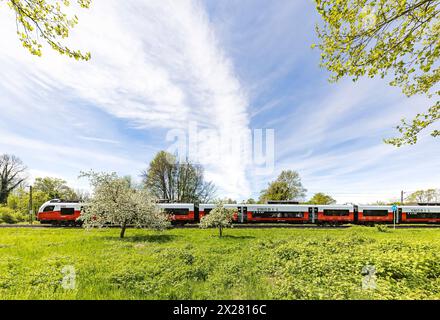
x=382 y=228
x=7 y=215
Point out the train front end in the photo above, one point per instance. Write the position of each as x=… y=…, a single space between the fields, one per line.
x=58 y=212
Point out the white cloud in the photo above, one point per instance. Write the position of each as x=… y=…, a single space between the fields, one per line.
x=337 y=145
x=155 y=64
x=97 y=139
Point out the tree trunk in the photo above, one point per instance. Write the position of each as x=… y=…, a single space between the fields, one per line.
x=3 y=196
x=123 y=227
x=220 y=229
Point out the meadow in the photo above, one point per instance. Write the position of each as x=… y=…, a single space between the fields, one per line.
x=353 y=263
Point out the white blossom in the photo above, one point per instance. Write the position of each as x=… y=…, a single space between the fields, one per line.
x=115 y=202
x=219 y=217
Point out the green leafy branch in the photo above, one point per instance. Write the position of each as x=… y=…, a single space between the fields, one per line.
x=46 y=19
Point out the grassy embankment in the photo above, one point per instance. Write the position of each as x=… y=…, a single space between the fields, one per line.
x=196 y=264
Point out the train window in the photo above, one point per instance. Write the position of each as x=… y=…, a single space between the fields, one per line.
x=369 y=213
x=176 y=211
x=423 y=215
x=207 y=210
x=336 y=212
x=48 y=208
x=67 y=211
x=294 y=215
x=277 y=214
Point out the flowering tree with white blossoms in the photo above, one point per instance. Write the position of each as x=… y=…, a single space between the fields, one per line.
x=219 y=217
x=115 y=202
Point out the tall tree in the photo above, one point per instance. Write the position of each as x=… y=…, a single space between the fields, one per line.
x=277 y=190
x=12 y=174
x=55 y=188
x=114 y=201
x=287 y=186
x=379 y=37
x=18 y=200
x=424 y=196
x=159 y=177
x=82 y=195
x=43 y=20
x=175 y=181
x=224 y=200
x=321 y=198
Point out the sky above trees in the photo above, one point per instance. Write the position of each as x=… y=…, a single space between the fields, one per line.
x=152 y=71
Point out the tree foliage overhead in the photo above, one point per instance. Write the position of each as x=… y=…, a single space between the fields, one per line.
x=44 y=189
x=382 y=37
x=287 y=186
x=43 y=20
x=55 y=188
x=175 y=181
x=12 y=174
x=114 y=201
x=424 y=196
x=18 y=200
x=321 y=198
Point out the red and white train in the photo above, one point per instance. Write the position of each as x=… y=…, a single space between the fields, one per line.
x=59 y=212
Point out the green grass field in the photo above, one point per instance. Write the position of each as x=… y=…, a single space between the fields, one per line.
x=245 y=264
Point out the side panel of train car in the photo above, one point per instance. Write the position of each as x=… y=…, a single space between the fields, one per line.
x=205 y=208
x=279 y=213
x=375 y=214
x=419 y=214
x=335 y=214
x=59 y=212
x=240 y=215
x=180 y=212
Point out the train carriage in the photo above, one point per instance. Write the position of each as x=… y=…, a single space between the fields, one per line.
x=279 y=213
x=205 y=208
x=60 y=212
x=375 y=214
x=335 y=214
x=419 y=214
x=240 y=215
x=180 y=212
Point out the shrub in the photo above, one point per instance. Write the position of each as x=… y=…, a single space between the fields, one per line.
x=219 y=217
x=382 y=228
x=7 y=215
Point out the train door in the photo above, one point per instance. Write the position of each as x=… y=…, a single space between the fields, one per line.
x=356 y=213
x=196 y=213
x=313 y=214
x=242 y=214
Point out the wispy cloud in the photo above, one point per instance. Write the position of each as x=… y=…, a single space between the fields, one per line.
x=99 y=139
x=155 y=64
x=331 y=133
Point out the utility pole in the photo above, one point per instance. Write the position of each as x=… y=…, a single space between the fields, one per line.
x=401 y=197
x=30 y=205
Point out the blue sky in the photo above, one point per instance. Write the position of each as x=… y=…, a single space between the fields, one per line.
x=159 y=66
